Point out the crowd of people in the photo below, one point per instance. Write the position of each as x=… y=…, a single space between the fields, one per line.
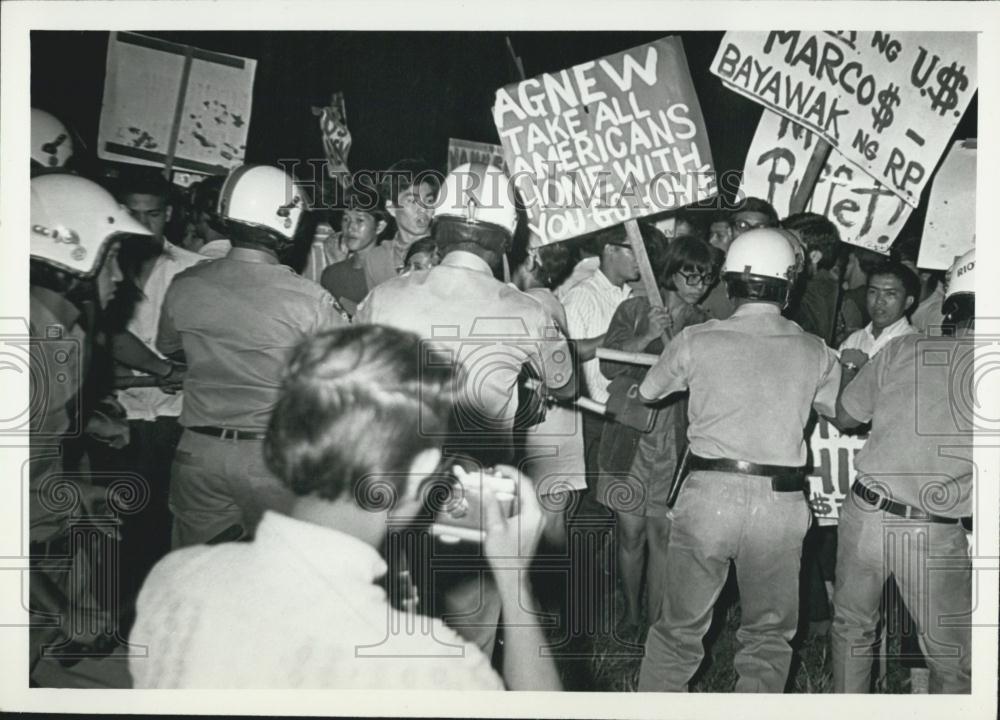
x=334 y=439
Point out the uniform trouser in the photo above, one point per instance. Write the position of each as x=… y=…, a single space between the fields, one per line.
x=217 y=484
x=721 y=517
x=931 y=566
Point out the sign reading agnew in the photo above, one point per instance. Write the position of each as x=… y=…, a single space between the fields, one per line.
x=606 y=141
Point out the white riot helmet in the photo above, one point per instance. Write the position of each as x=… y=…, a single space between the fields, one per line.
x=263 y=197
x=476 y=204
x=74 y=221
x=960 y=299
x=51 y=143
x=760 y=265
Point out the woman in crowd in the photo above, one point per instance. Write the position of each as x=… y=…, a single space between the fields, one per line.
x=636 y=466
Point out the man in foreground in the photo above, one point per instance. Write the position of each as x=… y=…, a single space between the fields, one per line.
x=357 y=428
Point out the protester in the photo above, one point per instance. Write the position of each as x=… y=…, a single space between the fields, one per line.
x=815 y=308
x=892 y=291
x=361 y=226
x=359 y=423
x=928 y=318
x=752 y=379
x=590 y=306
x=422 y=255
x=234 y=322
x=636 y=466
x=207 y=240
x=720 y=231
x=327 y=248
x=76 y=231
x=409 y=192
x=913 y=494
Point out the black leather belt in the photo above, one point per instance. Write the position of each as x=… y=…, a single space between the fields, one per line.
x=899 y=509
x=228 y=433
x=783 y=477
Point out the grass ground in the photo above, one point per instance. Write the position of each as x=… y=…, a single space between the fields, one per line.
x=600 y=661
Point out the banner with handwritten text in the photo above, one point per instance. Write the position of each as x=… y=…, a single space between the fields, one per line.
x=866 y=213
x=833 y=470
x=469 y=151
x=606 y=141
x=889 y=102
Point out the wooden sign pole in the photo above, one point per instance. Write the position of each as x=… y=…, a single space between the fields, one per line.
x=645 y=269
x=805 y=189
x=175 y=128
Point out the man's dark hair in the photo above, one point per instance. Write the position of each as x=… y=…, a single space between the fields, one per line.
x=911 y=283
x=403 y=175
x=143 y=183
x=356 y=406
x=616 y=235
x=756 y=204
x=687 y=253
x=205 y=194
x=423 y=245
x=817 y=233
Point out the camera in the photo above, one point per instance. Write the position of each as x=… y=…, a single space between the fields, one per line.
x=491 y=358
x=461 y=515
x=52 y=364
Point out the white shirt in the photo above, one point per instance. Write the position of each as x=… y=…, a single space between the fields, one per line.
x=581 y=271
x=867 y=343
x=215 y=249
x=589 y=309
x=151 y=403
x=296 y=608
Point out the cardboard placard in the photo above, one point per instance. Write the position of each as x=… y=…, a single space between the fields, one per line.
x=866 y=213
x=833 y=470
x=889 y=102
x=143 y=87
x=469 y=151
x=606 y=141
x=950 y=226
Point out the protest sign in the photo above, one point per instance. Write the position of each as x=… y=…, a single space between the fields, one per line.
x=889 y=102
x=336 y=136
x=174 y=105
x=950 y=226
x=467 y=151
x=866 y=213
x=606 y=141
x=833 y=470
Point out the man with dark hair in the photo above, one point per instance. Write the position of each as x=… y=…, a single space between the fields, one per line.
x=408 y=192
x=816 y=307
x=234 y=320
x=892 y=292
x=204 y=205
x=357 y=427
x=753 y=213
x=753 y=379
x=912 y=501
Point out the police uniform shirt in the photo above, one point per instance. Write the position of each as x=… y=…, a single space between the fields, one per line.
x=917 y=451
x=490 y=328
x=753 y=378
x=237 y=319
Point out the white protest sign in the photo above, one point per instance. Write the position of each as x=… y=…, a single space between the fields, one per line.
x=889 y=102
x=606 y=141
x=833 y=470
x=143 y=81
x=468 y=151
x=950 y=226
x=336 y=136
x=866 y=213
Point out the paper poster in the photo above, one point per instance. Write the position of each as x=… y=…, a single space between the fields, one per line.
x=142 y=84
x=889 y=102
x=950 y=226
x=606 y=141
x=468 y=151
x=833 y=470
x=866 y=213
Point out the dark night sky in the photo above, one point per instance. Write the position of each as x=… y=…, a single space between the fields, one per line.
x=406 y=93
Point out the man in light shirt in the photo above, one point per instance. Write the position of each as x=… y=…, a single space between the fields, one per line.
x=892 y=292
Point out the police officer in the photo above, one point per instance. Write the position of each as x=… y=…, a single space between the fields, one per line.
x=234 y=321
x=753 y=378
x=913 y=494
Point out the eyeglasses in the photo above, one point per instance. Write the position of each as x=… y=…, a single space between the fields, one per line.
x=695 y=278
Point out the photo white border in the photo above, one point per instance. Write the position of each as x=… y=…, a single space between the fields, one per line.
x=18 y=18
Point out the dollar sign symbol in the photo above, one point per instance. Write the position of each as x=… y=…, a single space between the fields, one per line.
x=820 y=505
x=883 y=114
x=951 y=79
